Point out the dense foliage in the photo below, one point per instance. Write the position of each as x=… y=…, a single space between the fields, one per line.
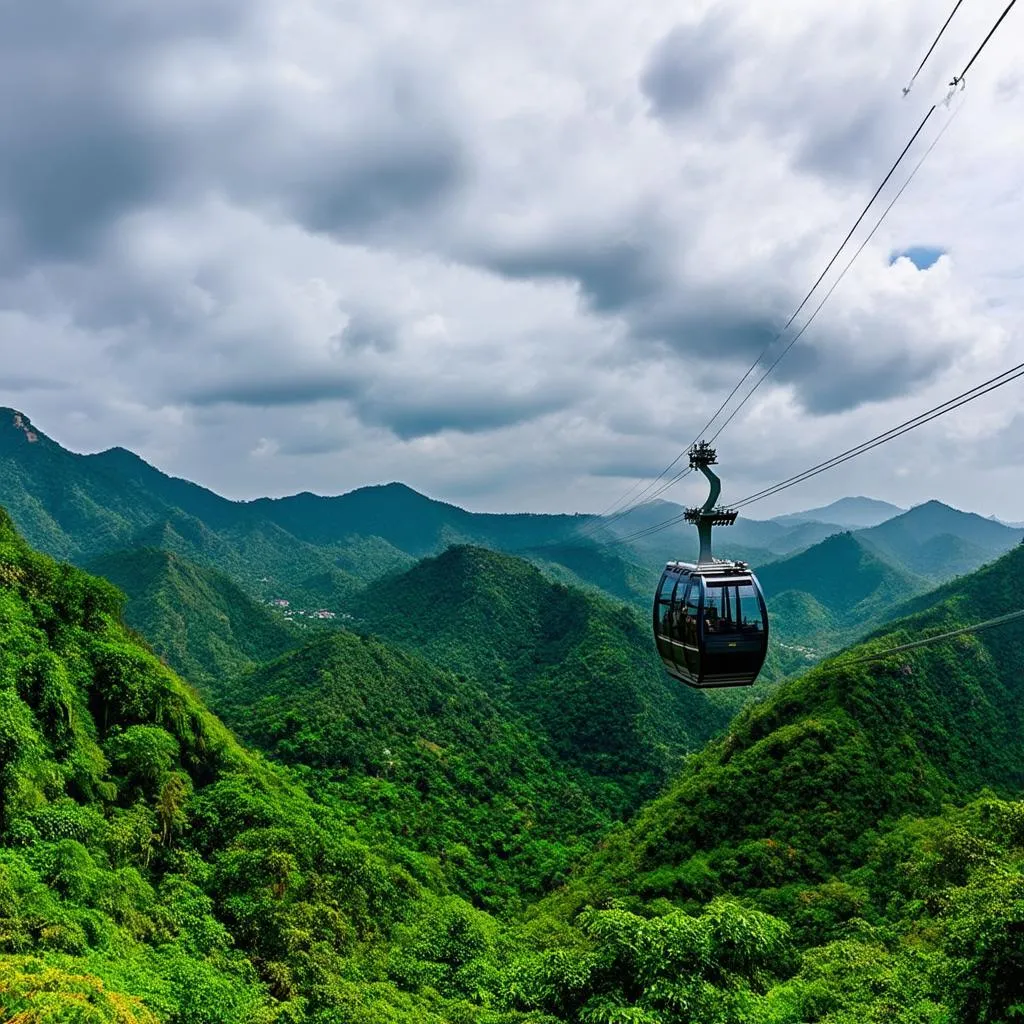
x=409 y=750
x=851 y=850
x=200 y=620
x=580 y=669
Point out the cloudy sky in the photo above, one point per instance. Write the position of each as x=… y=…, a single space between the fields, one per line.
x=514 y=254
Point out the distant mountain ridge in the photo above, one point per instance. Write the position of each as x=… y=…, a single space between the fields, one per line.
x=853 y=513
x=80 y=507
x=825 y=596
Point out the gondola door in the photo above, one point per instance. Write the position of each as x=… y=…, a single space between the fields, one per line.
x=689 y=635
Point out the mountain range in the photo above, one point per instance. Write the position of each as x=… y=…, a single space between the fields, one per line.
x=850 y=848
x=319 y=553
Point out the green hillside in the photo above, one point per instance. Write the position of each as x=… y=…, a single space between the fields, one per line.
x=852 y=849
x=424 y=754
x=828 y=812
x=581 y=669
x=199 y=620
x=299 y=548
x=151 y=869
x=940 y=542
x=828 y=595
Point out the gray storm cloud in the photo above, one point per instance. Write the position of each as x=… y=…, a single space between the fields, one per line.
x=476 y=247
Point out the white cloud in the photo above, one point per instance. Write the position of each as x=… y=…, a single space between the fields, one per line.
x=510 y=255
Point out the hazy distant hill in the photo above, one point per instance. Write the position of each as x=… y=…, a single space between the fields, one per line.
x=939 y=542
x=753 y=540
x=82 y=506
x=852 y=513
x=825 y=596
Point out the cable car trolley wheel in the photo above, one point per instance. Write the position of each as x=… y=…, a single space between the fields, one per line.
x=710 y=618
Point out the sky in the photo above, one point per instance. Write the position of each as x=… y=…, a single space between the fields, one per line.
x=512 y=254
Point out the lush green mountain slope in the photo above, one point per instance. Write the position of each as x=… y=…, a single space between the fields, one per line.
x=939 y=542
x=151 y=868
x=845 y=747
x=829 y=594
x=580 y=668
x=858 y=580
x=827 y=808
x=199 y=620
x=421 y=753
x=82 y=506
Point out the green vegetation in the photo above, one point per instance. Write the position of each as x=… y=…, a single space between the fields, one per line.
x=198 y=619
x=501 y=811
x=151 y=868
x=409 y=750
x=580 y=669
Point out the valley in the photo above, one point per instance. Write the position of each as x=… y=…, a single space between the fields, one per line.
x=473 y=794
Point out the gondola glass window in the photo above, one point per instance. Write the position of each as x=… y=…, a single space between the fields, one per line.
x=732 y=608
x=665 y=617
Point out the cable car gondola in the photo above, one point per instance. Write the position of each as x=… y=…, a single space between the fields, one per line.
x=710 y=619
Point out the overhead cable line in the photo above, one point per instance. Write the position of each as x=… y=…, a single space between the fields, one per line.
x=986 y=387
x=675 y=479
x=935 y=42
x=976 y=628
x=821 y=276
x=835 y=284
x=992 y=384
x=958 y=79
x=644 y=494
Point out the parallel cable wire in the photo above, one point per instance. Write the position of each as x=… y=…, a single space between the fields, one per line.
x=821 y=276
x=976 y=628
x=803 y=302
x=935 y=42
x=842 y=274
x=978 y=391
x=957 y=79
x=664 y=487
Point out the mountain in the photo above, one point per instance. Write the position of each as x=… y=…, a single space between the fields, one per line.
x=154 y=870
x=828 y=594
x=825 y=596
x=199 y=620
x=83 y=506
x=938 y=542
x=582 y=670
x=851 y=513
x=844 y=834
x=424 y=753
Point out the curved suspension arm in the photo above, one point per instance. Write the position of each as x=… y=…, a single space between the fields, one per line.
x=716 y=488
x=705 y=522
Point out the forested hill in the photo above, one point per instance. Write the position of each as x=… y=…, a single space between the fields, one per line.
x=829 y=807
x=831 y=755
x=809 y=866
x=579 y=667
x=151 y=869
x=200 y=620
x=419 y=752
x=82 y=507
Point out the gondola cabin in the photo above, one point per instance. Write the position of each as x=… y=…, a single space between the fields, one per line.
x=711 y=623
